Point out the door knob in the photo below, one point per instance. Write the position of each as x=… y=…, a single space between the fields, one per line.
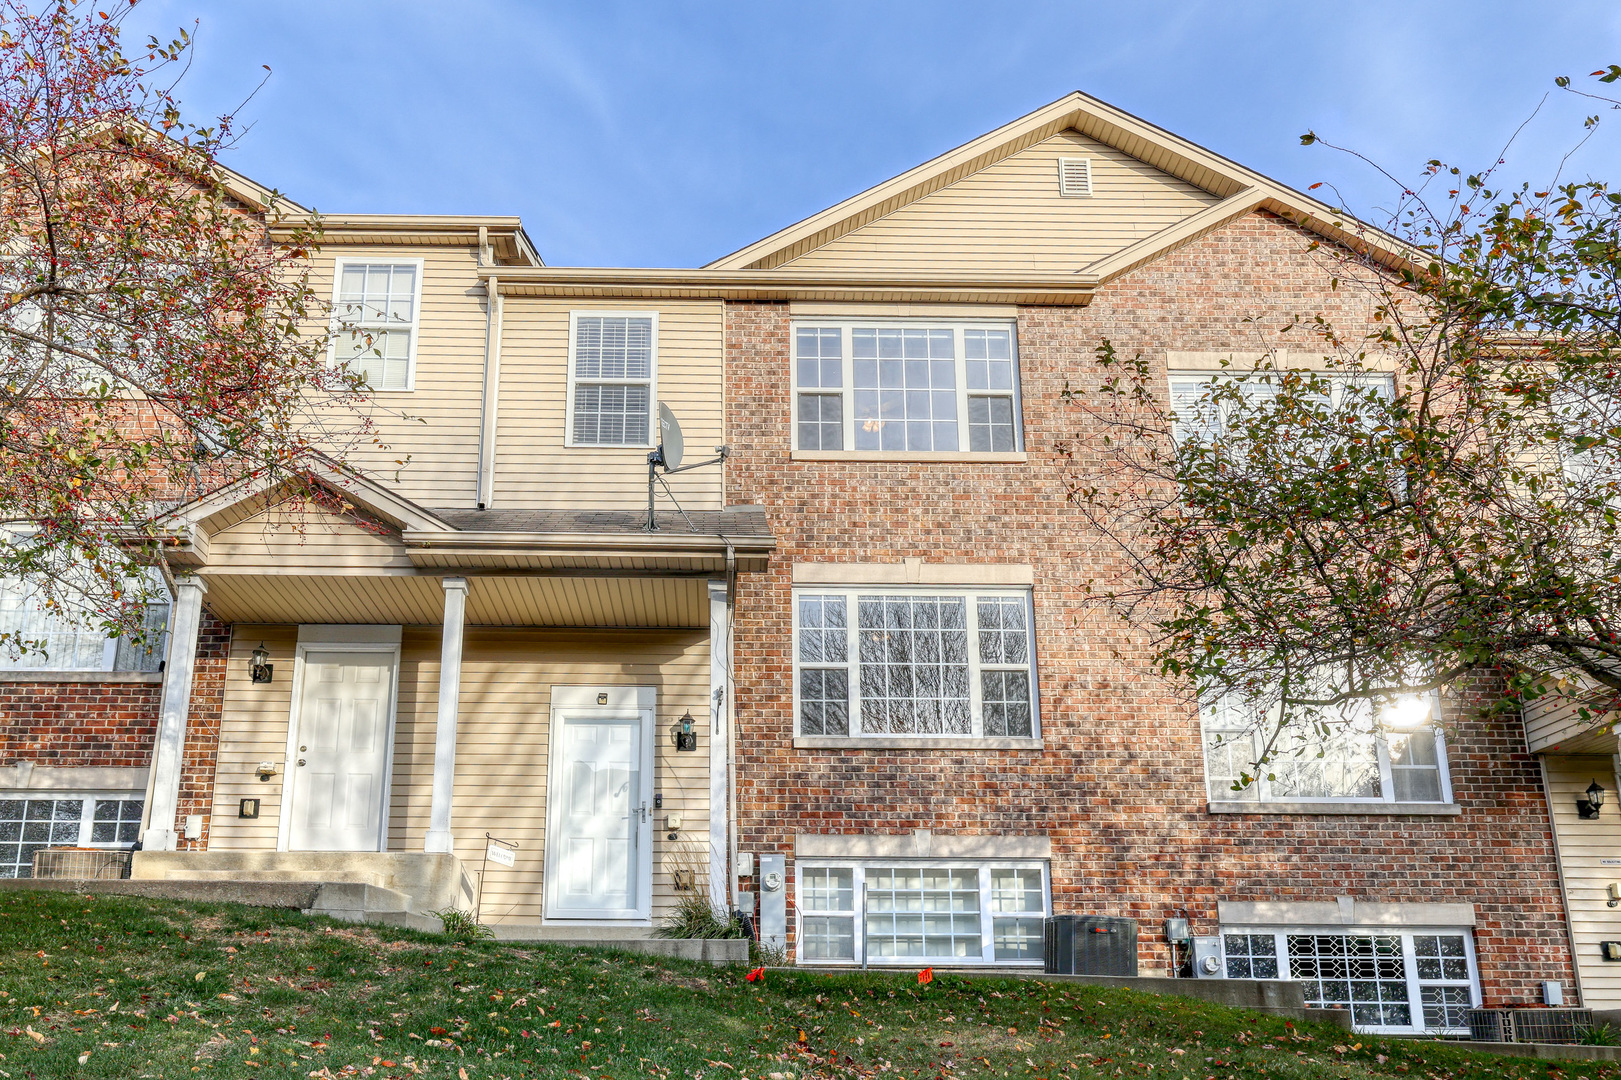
x=301 y=761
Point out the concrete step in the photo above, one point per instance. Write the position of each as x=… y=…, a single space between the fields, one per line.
x=356 y=877
x=358 y=896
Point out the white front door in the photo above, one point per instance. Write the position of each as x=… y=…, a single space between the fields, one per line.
x=599 y=859
x=341 y=746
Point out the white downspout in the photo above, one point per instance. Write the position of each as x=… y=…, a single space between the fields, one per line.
x=732 y=812
x=492 y=392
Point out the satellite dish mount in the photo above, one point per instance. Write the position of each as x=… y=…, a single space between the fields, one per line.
x=668 y=458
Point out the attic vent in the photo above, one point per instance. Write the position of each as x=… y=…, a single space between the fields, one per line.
x=1074 y=176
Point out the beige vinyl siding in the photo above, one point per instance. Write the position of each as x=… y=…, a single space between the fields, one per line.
x=1010 y=216
x=293 y=539
x=534 y=470
x=1583 y=844
x=425 y=441
x=1554 y=721
x=503 y=732
x=253 y=728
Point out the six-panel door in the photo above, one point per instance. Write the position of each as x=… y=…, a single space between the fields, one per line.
x=341 y=766
x=599 y=809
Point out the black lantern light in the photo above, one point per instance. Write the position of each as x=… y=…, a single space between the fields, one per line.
x=1589 y=807
x=262 y=669
x=682 y=734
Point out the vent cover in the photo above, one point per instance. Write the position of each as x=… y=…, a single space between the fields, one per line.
x=1074 y=176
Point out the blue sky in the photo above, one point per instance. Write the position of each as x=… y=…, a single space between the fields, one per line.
x=668 y=134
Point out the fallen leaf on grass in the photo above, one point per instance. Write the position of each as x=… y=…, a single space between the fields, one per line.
x=84 y=1057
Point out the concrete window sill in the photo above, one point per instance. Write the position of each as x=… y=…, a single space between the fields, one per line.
x=839 y=742
x=1306 y=807
x=150 y=677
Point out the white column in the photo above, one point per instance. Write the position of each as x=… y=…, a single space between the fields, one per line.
x=444 y=741
x=720 y=639
x=168 y=750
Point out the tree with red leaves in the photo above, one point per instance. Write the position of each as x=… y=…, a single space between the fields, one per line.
x=155 y=337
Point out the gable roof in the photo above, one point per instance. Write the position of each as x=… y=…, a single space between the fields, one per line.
x=1240 y=190
x=249 y=495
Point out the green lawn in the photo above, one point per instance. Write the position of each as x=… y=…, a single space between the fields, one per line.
x=116 y=987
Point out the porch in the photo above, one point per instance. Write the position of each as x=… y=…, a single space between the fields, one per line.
x=404 y=692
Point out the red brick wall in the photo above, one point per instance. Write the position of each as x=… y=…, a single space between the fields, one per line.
x=78 y=725
x=203 y=730
x=1119 y=785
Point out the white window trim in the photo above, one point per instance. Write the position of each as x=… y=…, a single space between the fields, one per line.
x=847 y=389
x=1258 y=797
x=858 y=890
x=1409 y=961
x=928 y=740
x=652 y=381
x=416 y=315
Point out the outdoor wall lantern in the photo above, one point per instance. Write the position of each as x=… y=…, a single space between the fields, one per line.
x=682 y=734
x=1588 y=807
x=263 y=669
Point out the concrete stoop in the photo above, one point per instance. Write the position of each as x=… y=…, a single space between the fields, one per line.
x=415 y=883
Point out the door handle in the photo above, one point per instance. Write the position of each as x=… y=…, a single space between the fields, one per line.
x=301 y=761
x=642 y=810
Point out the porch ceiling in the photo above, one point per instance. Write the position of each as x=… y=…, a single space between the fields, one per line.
x=418 y=600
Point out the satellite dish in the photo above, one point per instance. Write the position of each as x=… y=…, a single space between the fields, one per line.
x=670 y=442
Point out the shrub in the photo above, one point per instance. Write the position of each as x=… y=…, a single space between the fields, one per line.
x=460 y=926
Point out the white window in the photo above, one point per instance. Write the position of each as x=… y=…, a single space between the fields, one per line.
x=1403 y=981
x=910 y=913
x=935 y=662
x=27 y=825
x=906 y=387
x=1393 y=754
x=55 y=641
x=1202 y=419
x=377 y=306
x=613 y=359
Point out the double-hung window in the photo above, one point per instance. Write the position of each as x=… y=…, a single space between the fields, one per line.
x=1389 y=980
x=1198 y=418
x=929 y=663
x=909 y=913
x=906 y=387
x=27 y=825
x=1393 y=754
x=55 y=641
x=612 y=363
x=376 y=314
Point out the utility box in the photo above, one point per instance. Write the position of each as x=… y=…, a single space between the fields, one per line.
x=1091 y=945
x=1207 y=959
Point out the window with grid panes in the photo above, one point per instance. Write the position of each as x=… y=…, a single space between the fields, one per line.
x=1387 y=980
x=1400 y=757
x=611 y=367
x=59 y=642
x=1366 y=974
x=377 y=310
x=945 y=663
x=905 y=388
x=883 y=913
x=27 y=825
x=1250 y=956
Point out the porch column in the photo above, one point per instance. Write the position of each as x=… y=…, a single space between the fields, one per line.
x=720 y=645
x=444 y=741
x=168 y=749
